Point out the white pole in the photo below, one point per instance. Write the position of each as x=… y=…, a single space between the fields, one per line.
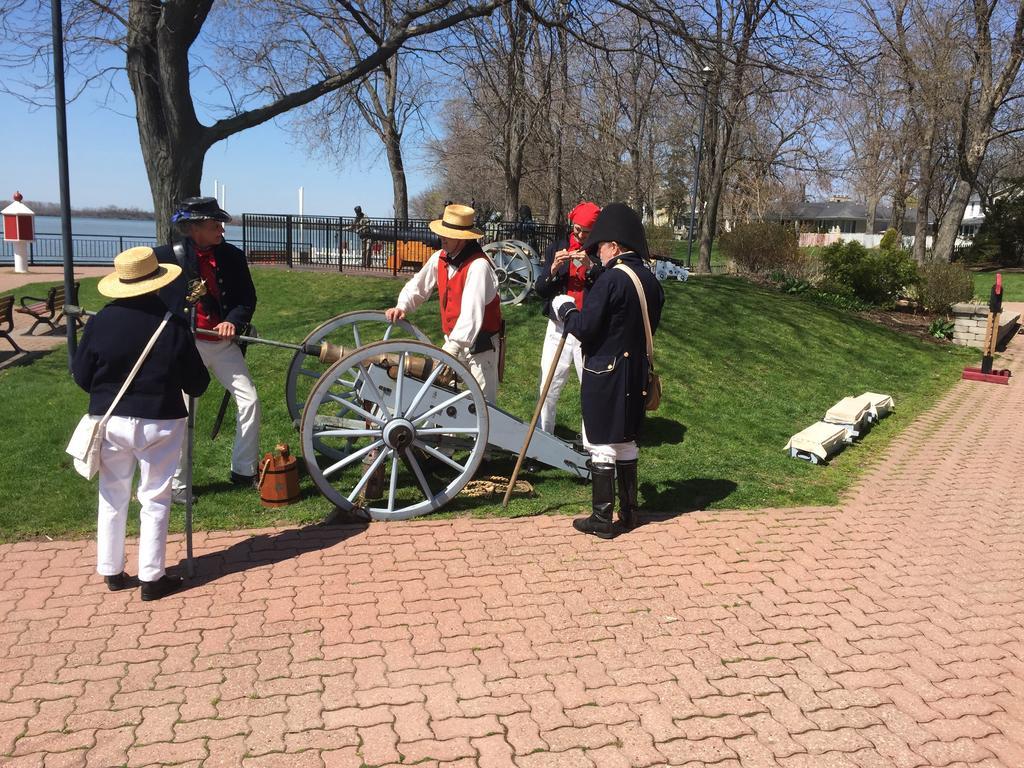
x=223 y=196
x=300 y=201
x=216 y=189
x=20 y=248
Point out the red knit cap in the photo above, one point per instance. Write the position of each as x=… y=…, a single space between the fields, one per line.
x=585 y=214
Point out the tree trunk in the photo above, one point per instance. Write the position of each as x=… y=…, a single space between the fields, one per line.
x=172 y=140
x=949 y=225
x=924 y=194
x=393 y=145
x=721 y=130
x=872 y=208
x=555 y=204
x=899 y=211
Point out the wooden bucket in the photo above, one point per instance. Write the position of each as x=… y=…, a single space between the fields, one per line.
x=279 y=478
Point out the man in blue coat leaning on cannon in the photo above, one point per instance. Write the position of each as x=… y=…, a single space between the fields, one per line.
x=610 y=327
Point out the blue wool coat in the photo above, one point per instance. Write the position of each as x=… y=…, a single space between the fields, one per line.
x=610 y=328
x=112 y=343
x=237 y=292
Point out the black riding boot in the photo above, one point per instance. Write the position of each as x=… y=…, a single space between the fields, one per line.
x=628 y=506
x=602 y=484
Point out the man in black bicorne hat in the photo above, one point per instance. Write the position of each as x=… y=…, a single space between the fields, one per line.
x=610 y=328
x=226 y=310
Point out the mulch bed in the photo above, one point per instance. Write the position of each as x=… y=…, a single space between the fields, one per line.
x=904 y=320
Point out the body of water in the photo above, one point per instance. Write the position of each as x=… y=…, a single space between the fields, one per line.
x=113 y=228
x=94 y=241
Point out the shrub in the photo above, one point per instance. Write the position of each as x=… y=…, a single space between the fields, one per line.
x=940 y=285
x=891 y=241
x=662 y=241
x=757 y=248
x=941 y=328
x=874 y=277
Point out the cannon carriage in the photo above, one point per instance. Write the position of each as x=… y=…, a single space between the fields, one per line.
x=374 y=400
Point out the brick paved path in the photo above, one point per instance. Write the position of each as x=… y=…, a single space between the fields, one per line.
x=887 y=632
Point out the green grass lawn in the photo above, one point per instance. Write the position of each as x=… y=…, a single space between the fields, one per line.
x=744 y=368
x=1013 y=285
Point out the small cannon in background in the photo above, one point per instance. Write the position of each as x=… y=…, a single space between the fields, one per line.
x=413 y=243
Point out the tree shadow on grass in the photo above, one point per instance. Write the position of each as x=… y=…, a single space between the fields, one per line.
x=666 y=501
x=267 y=549
x=662 y=431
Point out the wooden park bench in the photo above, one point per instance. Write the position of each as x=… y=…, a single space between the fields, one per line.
x=49 y=311
x=7 y=321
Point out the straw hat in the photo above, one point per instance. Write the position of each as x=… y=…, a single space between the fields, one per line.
x=456 y=223
x=136 y=272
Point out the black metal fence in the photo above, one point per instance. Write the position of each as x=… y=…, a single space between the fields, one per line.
x=48 y=248
x=348 y=242
x=324 y=242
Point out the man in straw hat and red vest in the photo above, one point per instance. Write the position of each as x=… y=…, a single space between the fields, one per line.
x=148 y=424
x=568 y=270
x=468 y=289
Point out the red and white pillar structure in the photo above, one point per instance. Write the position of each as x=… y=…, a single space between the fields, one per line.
x=19 y=228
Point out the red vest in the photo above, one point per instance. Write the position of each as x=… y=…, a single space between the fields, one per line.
x=450 y=293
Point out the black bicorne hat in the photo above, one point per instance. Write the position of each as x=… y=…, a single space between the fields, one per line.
x=199 y=208
x=619 y=223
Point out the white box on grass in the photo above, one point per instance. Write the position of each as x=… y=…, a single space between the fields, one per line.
x=817 y=442
x=881 y=405
x=852 y=412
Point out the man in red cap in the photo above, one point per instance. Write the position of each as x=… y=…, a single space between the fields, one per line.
x=567 y=270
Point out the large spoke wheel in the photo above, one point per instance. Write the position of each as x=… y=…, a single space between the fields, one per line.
x=351 y=331
x=514 y=268
x=405 y=425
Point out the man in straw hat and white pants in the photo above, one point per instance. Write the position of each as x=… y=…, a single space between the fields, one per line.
x=468 y=289
x=148 y=423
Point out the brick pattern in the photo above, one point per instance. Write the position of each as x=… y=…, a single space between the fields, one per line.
x=886 y=632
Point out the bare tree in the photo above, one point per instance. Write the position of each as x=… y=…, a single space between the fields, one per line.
x=260 y=39
x=962 y=64
x=387 y=102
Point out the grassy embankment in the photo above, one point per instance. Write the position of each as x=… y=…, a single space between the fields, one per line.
x=744 y=368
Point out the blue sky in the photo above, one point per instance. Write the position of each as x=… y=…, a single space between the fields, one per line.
x=261 y=168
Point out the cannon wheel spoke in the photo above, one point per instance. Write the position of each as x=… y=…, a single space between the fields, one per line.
x=405 y=464
x=350 y=330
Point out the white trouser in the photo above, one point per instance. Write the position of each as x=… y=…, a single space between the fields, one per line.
x=611 y=452
x=571 y=354
x=155 y=445
x=484 y=368
x=224 y=360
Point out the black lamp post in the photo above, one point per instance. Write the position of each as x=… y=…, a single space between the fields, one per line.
x=60 y=102
x=706 y=72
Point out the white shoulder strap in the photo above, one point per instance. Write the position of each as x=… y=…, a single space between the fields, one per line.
x=643 y=309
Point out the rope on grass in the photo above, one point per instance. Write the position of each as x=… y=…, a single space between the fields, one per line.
x=493 y=485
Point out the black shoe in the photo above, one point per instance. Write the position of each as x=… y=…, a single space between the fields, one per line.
x=246 y=480
x=162 y=587
x=119 y=582
x=602 y=479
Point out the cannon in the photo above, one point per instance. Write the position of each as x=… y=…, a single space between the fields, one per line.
x=413 y=412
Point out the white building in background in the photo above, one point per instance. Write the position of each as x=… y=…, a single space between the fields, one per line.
x=974 y=216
